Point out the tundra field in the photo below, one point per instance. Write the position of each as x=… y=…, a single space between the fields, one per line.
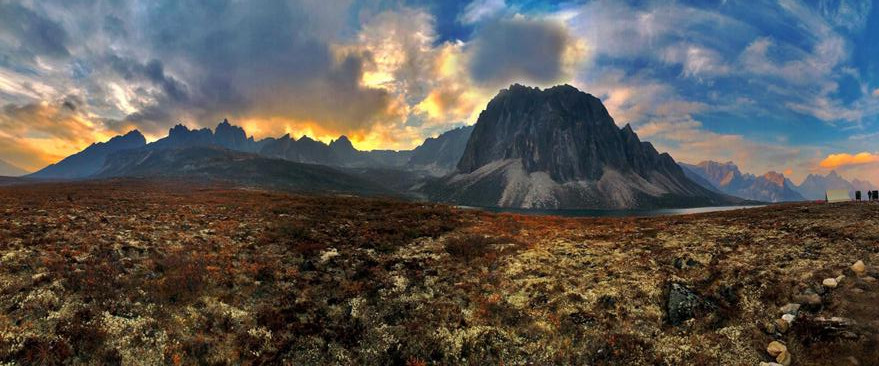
x=149 y=272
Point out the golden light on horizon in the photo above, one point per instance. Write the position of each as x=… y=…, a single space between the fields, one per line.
x=839 y=160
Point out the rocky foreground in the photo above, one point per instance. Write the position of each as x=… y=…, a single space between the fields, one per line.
x=150 y=273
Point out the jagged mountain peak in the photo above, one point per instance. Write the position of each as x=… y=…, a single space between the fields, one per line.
x=726 y=177
x=92 y=158
x=560 y=130
x=342 y=143
x=178 y=128
x=559 y=147
x=775 y=177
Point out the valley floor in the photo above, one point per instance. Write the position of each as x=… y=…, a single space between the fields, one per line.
x=138 y=272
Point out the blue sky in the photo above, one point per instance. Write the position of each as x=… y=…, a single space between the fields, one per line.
x=790 y=86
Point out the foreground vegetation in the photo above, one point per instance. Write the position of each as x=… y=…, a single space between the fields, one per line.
x=137 y=272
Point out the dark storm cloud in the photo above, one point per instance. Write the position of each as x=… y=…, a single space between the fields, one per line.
x=114 y=26
x=508 y=50
x=269 y=60
x=153 y=71
x=37 y=35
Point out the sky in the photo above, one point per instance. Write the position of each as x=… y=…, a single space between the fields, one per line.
x=783 y=85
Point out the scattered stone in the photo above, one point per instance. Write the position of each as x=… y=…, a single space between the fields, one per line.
x=770 y=364
x=683 y=304
x=784 y=358
x=830 y=283
x=682 y=263
x=781 y=325
x=833 y=327
x=869 y=279
x=859 y=268
x=840 y=278
x=809 y=299
x=791 y=308
x=769 y=327
x=39 y=277
x=836 y=321
x=775 y=348
x=788 y=318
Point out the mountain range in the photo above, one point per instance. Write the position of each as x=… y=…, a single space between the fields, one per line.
x=769 y=187
x=559 y=148
x=815 y=186
x=530 y=148
x=726 y=178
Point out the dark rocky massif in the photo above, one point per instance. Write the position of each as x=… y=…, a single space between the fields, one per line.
x=559 y=148
x=89 y=161
x=726 y=177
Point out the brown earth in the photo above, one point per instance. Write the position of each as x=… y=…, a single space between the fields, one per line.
x=139 y=272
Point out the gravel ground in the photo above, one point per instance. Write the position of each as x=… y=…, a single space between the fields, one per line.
x=146 y=272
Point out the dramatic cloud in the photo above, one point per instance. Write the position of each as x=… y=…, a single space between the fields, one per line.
x=838 y=160
x=773 y=85
x=276 y=59
x=29 y=35
x=536 y=51
x=34 y=135
x=715 y=80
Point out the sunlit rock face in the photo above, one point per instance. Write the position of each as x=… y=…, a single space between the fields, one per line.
x=727 y=178
x=560 y=148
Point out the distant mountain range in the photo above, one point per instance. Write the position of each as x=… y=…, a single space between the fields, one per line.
x=530 y=148
x=559 y=148
x=338 y=153
x=769 y=187
x=815 y=186
x=726 y=178
x=89 y=161
x=9 y=170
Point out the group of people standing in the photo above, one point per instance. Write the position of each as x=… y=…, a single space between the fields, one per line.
x=871 y=195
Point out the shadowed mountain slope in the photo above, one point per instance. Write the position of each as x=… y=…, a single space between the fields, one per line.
x=559 y=148
x=213 y=163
